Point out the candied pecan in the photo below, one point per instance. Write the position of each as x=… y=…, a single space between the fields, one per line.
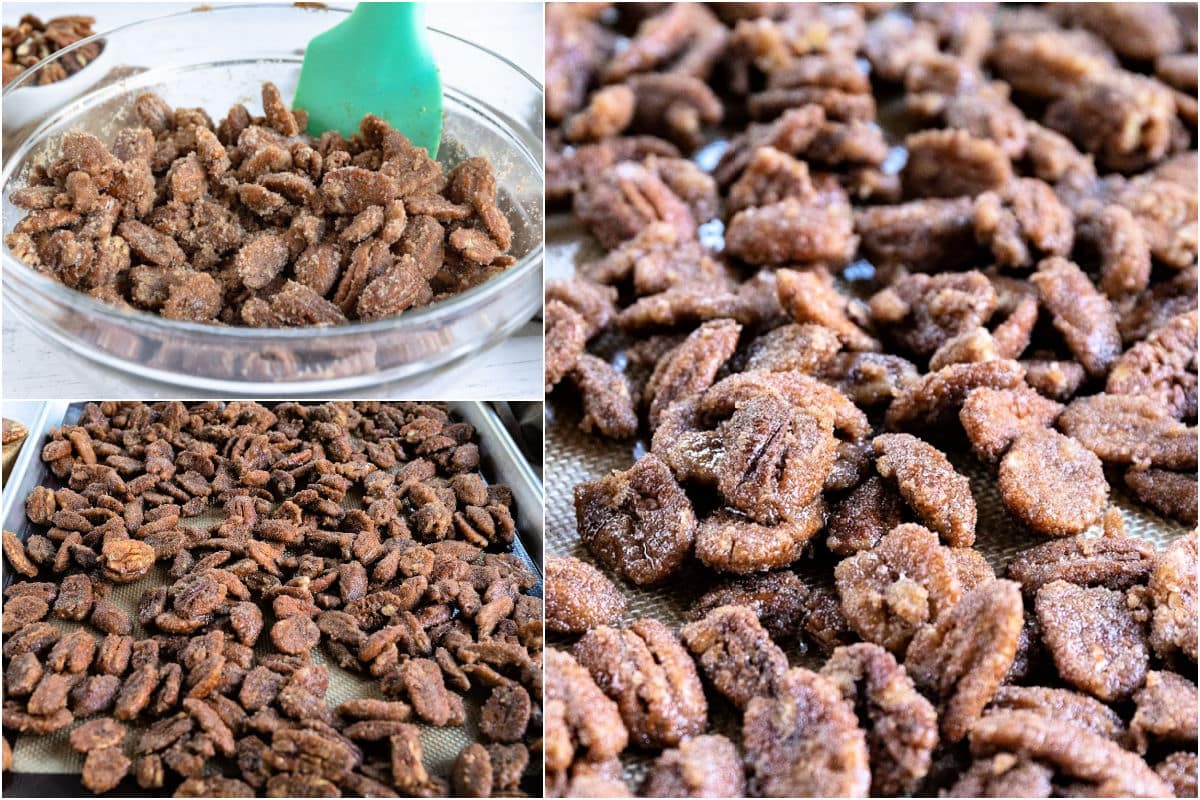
x=1166 y=212
x=703 y=766
x=774 y=459
x=805 y=741
x=471 y=775
x=778 y=599
x=860 y=519
x=213 y=786
x=1125 y=429
x=1159 y=366
x=506 y=714
x=40 y=506
x=14 y=553
x=770 y=177
x=1081 y=314
x=608 y=113
x=20 y=611
x=581 y=722
x=1098 y=112
x=1120 y=247
x=907 y=580
x=1101 y=764
x=923 y=235
x=681 y=39
x=1173 y=590
x=104 y=768
x=965 y=348
x=1163 y=713
x=1114 y=561
x=126 y=560
x=98 y=733
x=691 y=367
x=936 y=398
x=1137 y=33
x=75 y=597
x=593 y=301
x=110 y=618
x=473 y=182
x=792 y=133
x=579 y=596
x=645 y=505
x=798 y=389
x=735 y=653
x=1095 y=642
x=94 y=695
x=626 y=198
x=50 y=695
x=475 y=245
x=566 y=335
x=834 y=82
x=390 y=293
x=675 y=106
x=921 y=312
x=994 y=418
x=426 y=689
x=1178 y=772
x=295 y=634
x=650 y=675
x=690 y=304
x=602 y=779
x=870 y=379
x=1004 y=775
x=930 y=485
x=23 y=722
x=566 y=172
x=23 y=674
x=792 y=230
x=964 y=655
x=352 y=190
x=1023 y=222
x=952 y=162
x=728 y=542
x=1049 y=63
x=803 y=348
x=810 y=296
x=1052 y=483
x=1172 y=494
x=1063 y=706
x=607 y=402
x=900 y=724
x=149 y=244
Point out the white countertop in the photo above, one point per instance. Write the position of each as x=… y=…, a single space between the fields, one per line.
x=512 y=370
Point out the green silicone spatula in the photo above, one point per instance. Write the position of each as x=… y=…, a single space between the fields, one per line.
x=378 y=61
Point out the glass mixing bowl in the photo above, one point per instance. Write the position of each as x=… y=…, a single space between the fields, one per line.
x=217 y=57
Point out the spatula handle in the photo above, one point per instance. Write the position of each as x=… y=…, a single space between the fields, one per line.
x=391 y=19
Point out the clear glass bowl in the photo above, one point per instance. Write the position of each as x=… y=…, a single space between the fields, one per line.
x=218 y=57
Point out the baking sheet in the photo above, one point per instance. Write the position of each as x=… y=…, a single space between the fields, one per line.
x=46 y=766
x=573 y=457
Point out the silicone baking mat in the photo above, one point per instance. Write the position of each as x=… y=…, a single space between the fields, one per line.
x=573 y=456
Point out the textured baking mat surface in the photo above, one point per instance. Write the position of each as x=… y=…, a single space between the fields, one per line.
x=53 y=755
x=573 y=456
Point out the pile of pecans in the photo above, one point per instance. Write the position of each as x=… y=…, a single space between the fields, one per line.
x=362 y=532
x=253 y=222
x=852 y=255
x=31 y=40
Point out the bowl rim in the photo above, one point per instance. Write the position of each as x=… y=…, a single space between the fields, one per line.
x=413 y=318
